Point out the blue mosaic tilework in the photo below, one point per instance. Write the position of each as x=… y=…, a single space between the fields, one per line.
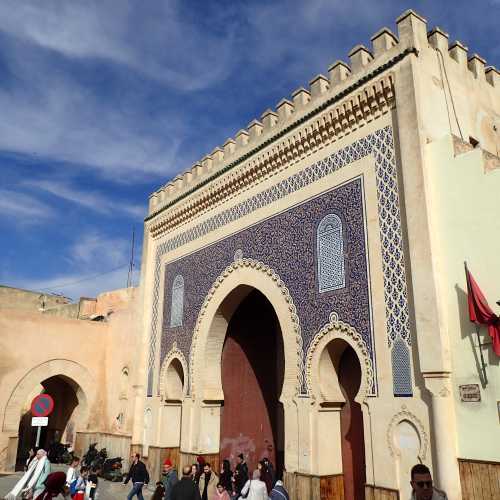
x=400 y=357
x=380 y=145
x=287 y=244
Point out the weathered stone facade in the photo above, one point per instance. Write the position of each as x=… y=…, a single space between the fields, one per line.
x=358 y=149
x=348 y=210
x=86 y=352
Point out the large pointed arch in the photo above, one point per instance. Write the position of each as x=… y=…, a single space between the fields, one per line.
x=228 y=290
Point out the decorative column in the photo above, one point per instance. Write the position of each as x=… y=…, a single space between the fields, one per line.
x=446 y=474
x=429 y=311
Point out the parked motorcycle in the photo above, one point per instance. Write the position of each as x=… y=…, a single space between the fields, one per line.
x=108 y=468
x=59 y=453
x=68 y=455
x=112 y=469
x=91 y=455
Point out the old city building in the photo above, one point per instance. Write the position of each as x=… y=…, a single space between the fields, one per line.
x=303 y=293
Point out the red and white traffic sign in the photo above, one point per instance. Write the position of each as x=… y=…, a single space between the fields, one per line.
x=42 y=405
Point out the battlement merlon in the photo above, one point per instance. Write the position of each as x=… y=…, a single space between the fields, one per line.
x=437 y=61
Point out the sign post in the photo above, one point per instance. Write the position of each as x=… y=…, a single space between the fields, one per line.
x=41 y=407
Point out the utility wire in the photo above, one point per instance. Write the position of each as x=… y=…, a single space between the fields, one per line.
x=65 y=285
x=442 y=67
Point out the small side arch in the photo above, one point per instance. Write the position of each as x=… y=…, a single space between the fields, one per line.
x=336 y=330
x=174 y=370
x=79 y=375
x=407 y=416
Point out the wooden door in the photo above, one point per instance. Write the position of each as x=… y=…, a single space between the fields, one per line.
x=251 y=382
x=351 y=427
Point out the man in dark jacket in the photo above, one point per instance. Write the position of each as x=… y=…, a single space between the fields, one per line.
x=240 y=474
x=139 y=475
x=186 y=488
x=270 y=470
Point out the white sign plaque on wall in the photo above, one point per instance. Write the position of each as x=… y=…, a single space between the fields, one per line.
x=470 y=393
x=39 y=421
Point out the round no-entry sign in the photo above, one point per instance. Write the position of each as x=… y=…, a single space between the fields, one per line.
x=42 y=405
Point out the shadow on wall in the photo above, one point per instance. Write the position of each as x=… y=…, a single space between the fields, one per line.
x=468 y=330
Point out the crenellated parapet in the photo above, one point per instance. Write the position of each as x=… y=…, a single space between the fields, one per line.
x=332 y=106
x=340 y=76
x=334 y=122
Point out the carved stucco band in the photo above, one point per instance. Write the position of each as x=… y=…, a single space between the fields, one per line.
x=347 y=332
x=263 y=268
x=174 y=353
x=330 y=125
x=401 y=416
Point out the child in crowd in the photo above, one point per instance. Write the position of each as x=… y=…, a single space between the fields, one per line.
x=78 y=486
x=221 y=493
x=92 y=483
x=159 y=491
x=72 y=472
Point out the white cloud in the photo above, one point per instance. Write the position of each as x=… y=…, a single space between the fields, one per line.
x=90 y=199
x=56 y=118
x=53 y=113
x=22 y=208
x=76 y=285
x=95 y=264
x=98 y=251
x=158 y=42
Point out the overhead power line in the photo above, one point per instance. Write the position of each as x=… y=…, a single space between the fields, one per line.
x=88 y=278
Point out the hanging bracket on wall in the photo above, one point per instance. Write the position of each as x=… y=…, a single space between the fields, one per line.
x=480 y=347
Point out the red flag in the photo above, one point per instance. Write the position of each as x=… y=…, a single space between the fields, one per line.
x=480 y=312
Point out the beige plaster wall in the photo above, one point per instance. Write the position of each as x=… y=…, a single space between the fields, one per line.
x=36 y=346
x=456 y=99
x=28 y=300
x=467 y=228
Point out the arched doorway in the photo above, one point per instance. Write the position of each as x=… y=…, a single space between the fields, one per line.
x=339 y=383
x=172 y=390
x=351 y=426
x=175 y=381
x=61 y=424
x=252 y=420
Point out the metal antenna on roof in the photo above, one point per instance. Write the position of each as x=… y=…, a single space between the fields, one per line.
x=131 y=264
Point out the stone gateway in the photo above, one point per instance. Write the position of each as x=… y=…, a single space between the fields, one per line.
x=302 y=293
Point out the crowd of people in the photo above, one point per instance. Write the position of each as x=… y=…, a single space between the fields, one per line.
x=198 y=481
x=39 y=483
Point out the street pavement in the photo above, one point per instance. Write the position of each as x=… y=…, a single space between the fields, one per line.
x=106 y=490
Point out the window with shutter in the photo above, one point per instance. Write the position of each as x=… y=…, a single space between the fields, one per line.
x=330 y=254
x=177 y=308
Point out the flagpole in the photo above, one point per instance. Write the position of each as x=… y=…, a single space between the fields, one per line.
x=483 y=364
x=479 y=345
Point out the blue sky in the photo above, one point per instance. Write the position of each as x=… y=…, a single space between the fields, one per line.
x=102 y=102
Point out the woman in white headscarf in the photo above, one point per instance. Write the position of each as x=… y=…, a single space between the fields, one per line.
x=32 y=482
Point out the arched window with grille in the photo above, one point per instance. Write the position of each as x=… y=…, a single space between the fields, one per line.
x=330 y=254
x=177 y=308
